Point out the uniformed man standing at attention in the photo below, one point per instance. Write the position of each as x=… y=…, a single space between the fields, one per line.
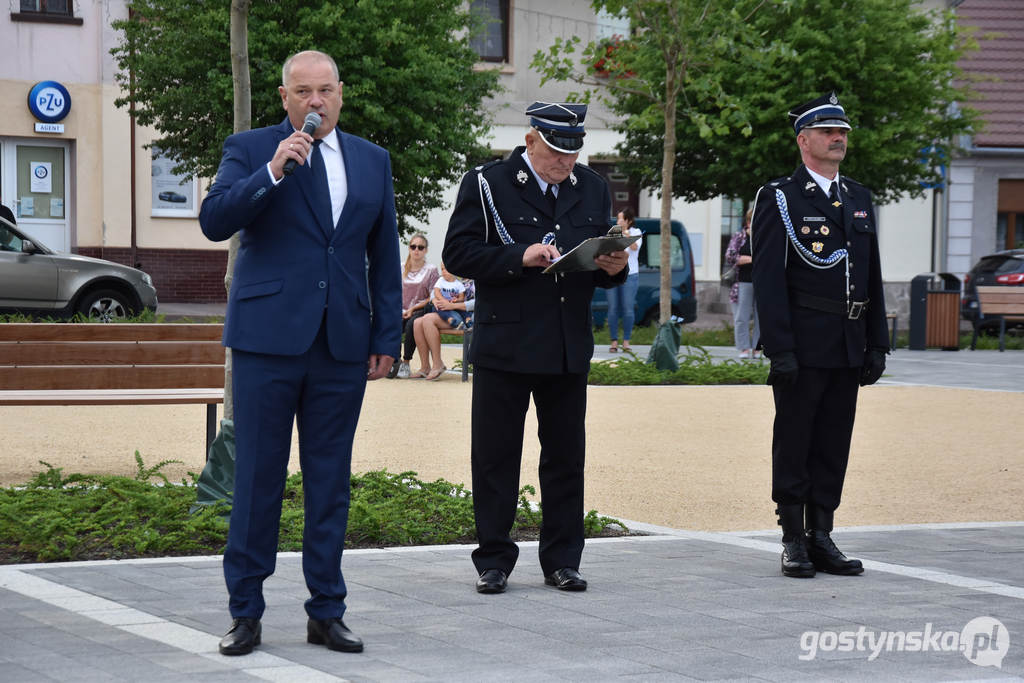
x=818 y=286
x=532 y=334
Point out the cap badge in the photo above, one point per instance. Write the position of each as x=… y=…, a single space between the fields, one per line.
x=824 y=230
x=521 y=177
x=816 y=247
x=833 y=99
x=805 y=230
x=572 y=178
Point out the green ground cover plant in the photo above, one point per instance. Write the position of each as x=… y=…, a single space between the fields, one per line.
x=67 y=517
x=696 y=366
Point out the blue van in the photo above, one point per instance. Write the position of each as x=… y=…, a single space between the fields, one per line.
x=684 y=286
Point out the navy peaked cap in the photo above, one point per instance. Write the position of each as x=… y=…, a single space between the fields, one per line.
x=560 y=124
x=821 y=112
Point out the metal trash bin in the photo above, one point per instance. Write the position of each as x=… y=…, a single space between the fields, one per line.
x=935 y=311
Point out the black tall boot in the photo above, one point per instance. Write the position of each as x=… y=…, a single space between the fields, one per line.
x=822 y=550
x=795 y=561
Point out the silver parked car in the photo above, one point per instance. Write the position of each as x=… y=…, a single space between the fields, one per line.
x=35 y=279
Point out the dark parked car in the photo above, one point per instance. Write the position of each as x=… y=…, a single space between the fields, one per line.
x=1003 y=268
x=34 y=279
x=648 y=295
x=175 y=197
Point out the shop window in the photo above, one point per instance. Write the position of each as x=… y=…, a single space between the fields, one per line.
x=490 y=38
x=52 y=11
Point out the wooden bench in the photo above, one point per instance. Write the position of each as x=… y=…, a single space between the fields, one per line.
x=1005 y=302
x=113 y=364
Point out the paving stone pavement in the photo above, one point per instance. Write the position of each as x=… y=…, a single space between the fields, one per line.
x=673 y=606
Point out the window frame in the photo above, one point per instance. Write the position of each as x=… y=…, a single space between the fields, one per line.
x=505 y=21
x=47 y=16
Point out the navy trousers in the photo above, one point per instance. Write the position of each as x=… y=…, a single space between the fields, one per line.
x=323 y=396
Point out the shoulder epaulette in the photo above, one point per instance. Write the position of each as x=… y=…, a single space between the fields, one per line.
x=488 y=164
x=778 y=182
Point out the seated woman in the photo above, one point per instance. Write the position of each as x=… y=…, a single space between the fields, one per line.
x=428 y=330
x=418 y=278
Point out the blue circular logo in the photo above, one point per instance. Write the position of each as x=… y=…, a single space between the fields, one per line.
x=49 y=101
x=41 y=172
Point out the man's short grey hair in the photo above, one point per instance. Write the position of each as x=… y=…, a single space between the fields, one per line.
x=287 y=68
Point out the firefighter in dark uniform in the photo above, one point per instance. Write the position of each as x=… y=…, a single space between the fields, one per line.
x=532 y=334
x=818 y=286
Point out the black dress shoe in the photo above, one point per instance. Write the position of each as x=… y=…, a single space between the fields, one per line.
x=334 y=634
x=492 y=581
x=566 y=579
x=827 y=557
x=242 y=637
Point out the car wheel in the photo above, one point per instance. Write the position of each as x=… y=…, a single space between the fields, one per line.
x=105 y=305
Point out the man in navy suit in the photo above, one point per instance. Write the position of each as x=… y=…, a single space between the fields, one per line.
x=314 y=312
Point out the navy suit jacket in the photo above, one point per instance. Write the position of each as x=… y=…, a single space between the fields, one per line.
x=293 y=266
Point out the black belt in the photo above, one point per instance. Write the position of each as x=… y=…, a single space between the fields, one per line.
x=853 y=310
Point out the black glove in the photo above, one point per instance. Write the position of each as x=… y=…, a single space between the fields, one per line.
x=784 y=369
x=874 y=366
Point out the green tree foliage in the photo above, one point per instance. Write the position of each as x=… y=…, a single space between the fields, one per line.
x=667 y=72
x=409 y=80
x=893 y=66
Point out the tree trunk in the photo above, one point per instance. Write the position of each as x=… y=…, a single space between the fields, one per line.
x=243 y=121
x=667 y=164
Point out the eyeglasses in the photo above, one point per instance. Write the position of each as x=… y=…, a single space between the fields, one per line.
x=419 y=247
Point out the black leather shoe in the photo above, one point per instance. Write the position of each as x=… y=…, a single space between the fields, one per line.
x=827 y=557
x=566 y=579
x=334 y=634
x=492 y=581
x=795 y=562
x=242 y=637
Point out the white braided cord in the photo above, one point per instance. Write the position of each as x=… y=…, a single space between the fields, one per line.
x=498 y=224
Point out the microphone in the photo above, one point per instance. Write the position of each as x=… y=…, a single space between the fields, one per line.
x=311 y=123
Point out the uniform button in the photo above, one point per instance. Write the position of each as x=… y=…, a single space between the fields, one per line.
x=321 y=284
x=852 y=288
x=330 y=250
x=561 y=249
x=534 y=219
x=563 y=299
x=849 y=244
x=510 y=272
x=557 y=226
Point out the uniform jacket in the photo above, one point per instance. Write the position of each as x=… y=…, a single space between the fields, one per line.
x=819 y=339
x=526 y=321
x=292 y=264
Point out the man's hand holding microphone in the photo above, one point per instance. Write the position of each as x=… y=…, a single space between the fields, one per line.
x=294 y=149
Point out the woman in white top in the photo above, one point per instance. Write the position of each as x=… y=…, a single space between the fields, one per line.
x=622 y=299
x=418 y=278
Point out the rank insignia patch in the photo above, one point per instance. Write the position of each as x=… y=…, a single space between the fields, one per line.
x=521 y=177
x=572 y=178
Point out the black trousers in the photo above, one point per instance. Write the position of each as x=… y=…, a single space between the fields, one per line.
x=811 y=439
x=500 y=402
x=410 y=337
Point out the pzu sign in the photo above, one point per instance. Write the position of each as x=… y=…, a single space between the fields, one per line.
x=49 y=101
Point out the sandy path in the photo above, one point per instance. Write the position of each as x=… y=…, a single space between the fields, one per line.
x=685 y=457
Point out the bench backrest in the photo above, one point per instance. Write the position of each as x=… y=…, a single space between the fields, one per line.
x=111 y=356
x=1006 y=301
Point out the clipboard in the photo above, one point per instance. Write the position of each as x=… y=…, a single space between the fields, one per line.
x=581 y=257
